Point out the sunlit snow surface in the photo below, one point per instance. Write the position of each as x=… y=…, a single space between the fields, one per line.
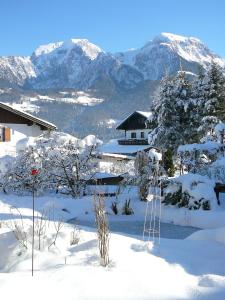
x=191 y=268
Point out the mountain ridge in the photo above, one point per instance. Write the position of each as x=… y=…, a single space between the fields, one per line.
x=81 y=88
x=78 y=63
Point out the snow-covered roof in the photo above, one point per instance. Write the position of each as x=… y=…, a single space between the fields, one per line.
x=145 y=114
x=28 y=116
x=114 y=147
x=115 y=155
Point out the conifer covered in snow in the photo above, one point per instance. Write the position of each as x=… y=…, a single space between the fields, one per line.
x=173 y=113
x=185 y=111
x=214 y=92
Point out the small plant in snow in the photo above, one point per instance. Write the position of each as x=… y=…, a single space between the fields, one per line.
x=17 y=227
x=114 y=207
x=127 y=210
x=75 y=236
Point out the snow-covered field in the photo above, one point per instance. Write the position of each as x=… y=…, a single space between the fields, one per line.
x=192 y=268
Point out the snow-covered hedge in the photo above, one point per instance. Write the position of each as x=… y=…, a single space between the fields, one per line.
x=192 y=191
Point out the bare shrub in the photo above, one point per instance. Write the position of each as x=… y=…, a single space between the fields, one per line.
x=17 y=227
x=43 y=238
x=142 y=174
x=58 y=225
x=75 y=236
x=102 y=229
x=40 y=228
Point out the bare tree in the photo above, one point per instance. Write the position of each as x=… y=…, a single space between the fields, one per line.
x=102 y=229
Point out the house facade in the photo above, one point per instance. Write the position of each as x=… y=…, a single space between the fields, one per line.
x=135 y=128
x=16 y=125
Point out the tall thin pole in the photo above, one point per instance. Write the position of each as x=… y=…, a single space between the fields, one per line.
x=32 y=268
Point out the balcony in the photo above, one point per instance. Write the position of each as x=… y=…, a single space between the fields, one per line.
x=133 y=142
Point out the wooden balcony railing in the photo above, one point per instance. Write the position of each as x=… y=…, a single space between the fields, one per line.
x=133 y=142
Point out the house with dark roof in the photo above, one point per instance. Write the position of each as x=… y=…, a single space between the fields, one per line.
x=135 y=128
x=16 y=124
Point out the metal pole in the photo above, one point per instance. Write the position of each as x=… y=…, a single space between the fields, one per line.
x=33 y=233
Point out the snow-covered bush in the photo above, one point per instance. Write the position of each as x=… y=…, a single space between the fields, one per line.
x=192 y=191
x=18 y=177
x=196 y=156
x=215 y=171
x=64 y=165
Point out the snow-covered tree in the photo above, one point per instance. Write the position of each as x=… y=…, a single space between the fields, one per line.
x=173 y=113
x=214 y=92
x=18 y=178
x=64 y=164
x=72 y=166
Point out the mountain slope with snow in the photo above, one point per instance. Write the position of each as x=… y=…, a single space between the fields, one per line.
x=79 y=64
x=167 y=52
x=80 y=87
x=15 y=70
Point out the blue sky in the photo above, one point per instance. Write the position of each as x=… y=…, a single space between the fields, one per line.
x=114 y=25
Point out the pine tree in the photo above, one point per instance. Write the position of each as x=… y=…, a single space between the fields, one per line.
x=173 y=113
x=214 y=93
x=164 y=115
x=168 y=162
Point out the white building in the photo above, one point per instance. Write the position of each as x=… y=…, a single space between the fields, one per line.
x=16 y=125
x=135 y=128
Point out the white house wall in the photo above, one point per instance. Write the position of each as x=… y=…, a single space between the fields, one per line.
x=138 y=133
x=20 y=131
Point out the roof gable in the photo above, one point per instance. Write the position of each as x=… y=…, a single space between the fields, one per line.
x=8 y=114
x=137 y=120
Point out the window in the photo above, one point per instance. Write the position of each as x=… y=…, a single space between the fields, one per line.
x=142 y=135
x=133 y=135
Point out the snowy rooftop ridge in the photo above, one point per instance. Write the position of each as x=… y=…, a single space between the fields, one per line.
x=146 y=114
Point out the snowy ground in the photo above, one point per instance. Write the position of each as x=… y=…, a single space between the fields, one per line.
x=192 y=268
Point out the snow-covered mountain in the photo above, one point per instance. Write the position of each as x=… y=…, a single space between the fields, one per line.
x=79 y=64
x=15 y=70
x=63 y=64
x=81 y=88
x=167 y=52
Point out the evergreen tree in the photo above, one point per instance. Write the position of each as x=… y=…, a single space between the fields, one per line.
x=168 y=162
x=214 y=93
x=164 y=115
x=172 y=110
